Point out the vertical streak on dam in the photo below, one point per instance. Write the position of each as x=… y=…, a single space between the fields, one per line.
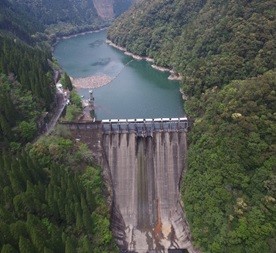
x=145 y=174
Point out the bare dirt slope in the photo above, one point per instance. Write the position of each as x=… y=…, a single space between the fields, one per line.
x=104 y=8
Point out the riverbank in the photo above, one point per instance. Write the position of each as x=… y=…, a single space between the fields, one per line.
x=58 y=39
x=174 y=76
x=184 y=96
x=134 y=56
x=83 y=33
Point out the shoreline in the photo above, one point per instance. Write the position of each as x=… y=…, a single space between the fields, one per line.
x=82 y=33
x=65 y=37
x=134 y=56
x=174 y=76
x=97 y=81
x=184 y=96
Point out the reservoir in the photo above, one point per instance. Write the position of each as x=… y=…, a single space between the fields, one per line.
x=136 y=90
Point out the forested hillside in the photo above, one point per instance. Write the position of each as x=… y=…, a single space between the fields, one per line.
x=52 y=195
x=66 y=17
x=208 y=42
x=27 y=90
x=225 y=52
x=229 y=190
x=15 y=22
x=62 y=17
x=53 y=200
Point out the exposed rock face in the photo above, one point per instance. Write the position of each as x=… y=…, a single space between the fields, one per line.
x=104 y=8
x=145 y=174
x=109 y=9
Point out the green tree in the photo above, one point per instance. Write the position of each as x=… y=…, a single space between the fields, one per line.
x=25 y=245
x=27 y=130
x=66 y=82
x=7 y=248
x=69 y=246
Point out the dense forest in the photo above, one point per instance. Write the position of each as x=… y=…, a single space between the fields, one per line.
x=53 y=198
x=229 y=190
x=51 y=12
x=225 y=52
x=64 y=17
x=27 y=89
x=16 y=22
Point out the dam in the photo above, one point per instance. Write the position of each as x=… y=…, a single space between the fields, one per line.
x=143 y=161
x=143 y=158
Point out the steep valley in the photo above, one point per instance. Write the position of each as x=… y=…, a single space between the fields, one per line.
x=207 y=188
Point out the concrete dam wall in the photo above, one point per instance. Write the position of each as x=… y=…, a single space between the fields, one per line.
x=145 y=174
x=143 y=162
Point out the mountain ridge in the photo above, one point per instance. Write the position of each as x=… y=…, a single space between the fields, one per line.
x=225 y=52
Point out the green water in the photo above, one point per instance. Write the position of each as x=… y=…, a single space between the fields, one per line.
x=139 y=91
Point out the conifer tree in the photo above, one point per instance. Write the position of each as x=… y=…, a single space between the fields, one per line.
x=5 y=233
x=7 y=248
x=46 y=250
x=78 y=216
x=69 y=247
x=18 y=229
x=8 y=195
x=25 y=245
x=66 y=82
x=86 y=246
x=39 y=214
x=5 y=128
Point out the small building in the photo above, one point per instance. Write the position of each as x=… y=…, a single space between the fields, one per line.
x=59 y=85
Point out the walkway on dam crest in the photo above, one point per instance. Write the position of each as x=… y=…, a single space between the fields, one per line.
x=142 y=127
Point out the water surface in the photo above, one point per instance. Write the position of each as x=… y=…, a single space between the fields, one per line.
x=137 y=90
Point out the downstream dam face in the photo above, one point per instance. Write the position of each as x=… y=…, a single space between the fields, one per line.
x=144 y=163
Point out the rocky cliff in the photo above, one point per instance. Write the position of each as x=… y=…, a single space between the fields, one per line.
x=108 y=9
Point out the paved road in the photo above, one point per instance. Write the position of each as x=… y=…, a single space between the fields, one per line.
x=61 y=103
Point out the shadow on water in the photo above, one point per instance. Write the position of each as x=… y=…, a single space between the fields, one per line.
x=101 y=62
x=158 y=79
x=96 y=43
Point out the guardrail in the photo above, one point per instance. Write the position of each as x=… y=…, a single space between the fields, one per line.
x=104 y=121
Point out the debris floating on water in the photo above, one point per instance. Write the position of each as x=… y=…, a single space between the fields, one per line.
x=91 y=81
